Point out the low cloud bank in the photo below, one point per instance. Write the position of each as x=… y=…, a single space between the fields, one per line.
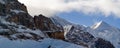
x=52 y=7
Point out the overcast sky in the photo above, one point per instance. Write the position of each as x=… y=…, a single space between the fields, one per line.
x=92 y=10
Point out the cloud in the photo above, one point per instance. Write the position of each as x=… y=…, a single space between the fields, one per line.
x=52 y=7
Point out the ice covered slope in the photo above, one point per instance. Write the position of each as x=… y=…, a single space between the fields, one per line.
x=106 y=31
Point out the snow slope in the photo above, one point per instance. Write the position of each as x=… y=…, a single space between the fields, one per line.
x=17 y=11
x=45 y=43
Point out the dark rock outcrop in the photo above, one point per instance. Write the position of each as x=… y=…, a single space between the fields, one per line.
x=12 y=7
x=101 y=43
x=56 y=35
x=46 y=24
x=16 y=12
x=22 y=19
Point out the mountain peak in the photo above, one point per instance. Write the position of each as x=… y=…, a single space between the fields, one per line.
x=101 y=25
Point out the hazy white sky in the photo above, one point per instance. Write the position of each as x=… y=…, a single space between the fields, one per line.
x=52 y=7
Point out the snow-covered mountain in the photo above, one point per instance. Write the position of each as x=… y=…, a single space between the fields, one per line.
x=19 y=29
x=100 y=26
x=80 y=35
x=106 y=31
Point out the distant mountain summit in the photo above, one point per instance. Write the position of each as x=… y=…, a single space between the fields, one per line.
x=103 y=26
x=106 y=31
x=100 y=25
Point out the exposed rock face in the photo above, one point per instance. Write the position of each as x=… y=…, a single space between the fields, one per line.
x=12 y=7
x=13 y=31
x=46 y=24
x=23 y=19
x=16 y=12
x=56 y=35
